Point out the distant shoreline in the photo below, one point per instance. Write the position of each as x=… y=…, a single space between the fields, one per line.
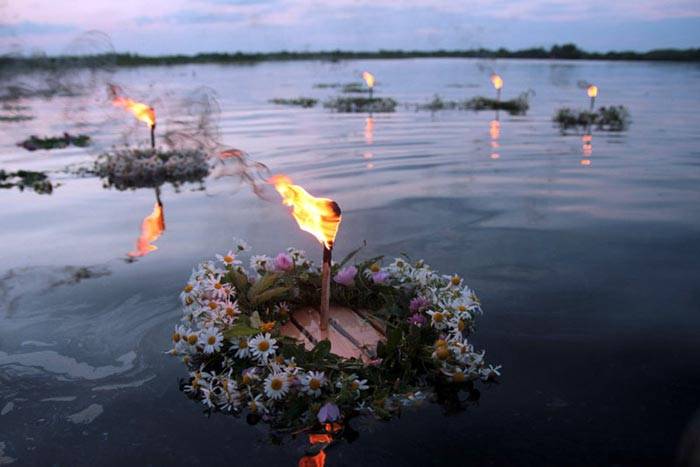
x=557 y=52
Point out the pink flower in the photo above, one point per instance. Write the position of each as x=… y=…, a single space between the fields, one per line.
x=380 y=277
x=328 y=413
x=418 y=304
x=283 y=262
x=346 y=276
x=417 y=320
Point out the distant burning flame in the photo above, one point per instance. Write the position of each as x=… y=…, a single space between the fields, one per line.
x=369 y=79
x=592 y=90
x=497 y=81
x=151 y=229
x=318 y=216
x=141 y=111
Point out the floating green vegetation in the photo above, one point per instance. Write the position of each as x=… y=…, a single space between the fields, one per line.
x=354 y=88
x=517 y=106
x=37 y=181
x=16 y=118
x=612 y=118
x=305 y=102
x=327 y=85
x=361 y=104
x=145 y=168
x=55 y=142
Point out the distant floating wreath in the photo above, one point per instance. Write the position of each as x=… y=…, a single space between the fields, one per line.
x=234 y=339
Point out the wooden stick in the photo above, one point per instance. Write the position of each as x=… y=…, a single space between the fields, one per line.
x=498 y=94
x=153 y=136
x=325 y=287
x=371 y=93
x=592 y=103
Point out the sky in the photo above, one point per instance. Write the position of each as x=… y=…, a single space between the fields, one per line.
x=191 y=26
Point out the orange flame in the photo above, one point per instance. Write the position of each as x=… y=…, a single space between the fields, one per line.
x=592 y=90
x=151 y=229
x=142 y=112
x=497 y=81
x=369 y=79
x=318 y=216
x=319 y=460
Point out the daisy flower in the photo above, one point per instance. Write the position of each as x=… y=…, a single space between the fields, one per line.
x=211 y=339
x=216 y=288
x=276 y=385
x=359 y=384
x=261 y=263
x=229 y=259
x=438 y=319
x=312 y=382
x=298 y=256
x=240 y=245
x=263 y=346
x=242 y=347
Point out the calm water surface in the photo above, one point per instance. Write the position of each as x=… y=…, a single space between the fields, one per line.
x=588 y=265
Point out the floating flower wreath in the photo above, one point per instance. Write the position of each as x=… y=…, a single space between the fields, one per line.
x=239 y=361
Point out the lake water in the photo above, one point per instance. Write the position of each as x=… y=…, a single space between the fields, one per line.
x=588 y=266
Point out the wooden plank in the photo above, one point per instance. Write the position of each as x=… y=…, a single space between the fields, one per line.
x=350 y=335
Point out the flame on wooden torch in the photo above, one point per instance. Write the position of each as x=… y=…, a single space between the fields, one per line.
x=321 y=218
x=497 y=82
x=369 y=80
x=592 y=92
x=142 y=112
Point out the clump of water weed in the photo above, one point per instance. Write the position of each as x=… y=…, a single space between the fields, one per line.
x=145 y=168
x=354 y=88
x=37 y=181
x=327 y=85
x=305 y=102
x=612 y=118
x=517 y=106
x=361 y=104
x=16 y=118
x=54 y=142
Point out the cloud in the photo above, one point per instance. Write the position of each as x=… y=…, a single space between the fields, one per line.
x=30 y=28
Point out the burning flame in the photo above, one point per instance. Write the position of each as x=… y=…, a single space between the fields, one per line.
x=318 y=216
x=592 y=91
x=497 y=81
x=141 y=111
x=151 y=229
x=369 y=79
x=319 y=460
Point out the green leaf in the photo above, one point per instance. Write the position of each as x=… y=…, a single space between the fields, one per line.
x=268 y=295
x=240 y=330
x=255 y=320
x=264 y=283
x=350 y=255
x=322 y=350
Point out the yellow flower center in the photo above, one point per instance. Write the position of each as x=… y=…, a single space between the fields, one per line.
x=212 y=306
x=189 y=300
x=246 y=379
x=314 y=384
x=354 y=385
x=176 y=337
x=462 y=308
x=375 y=267
x=458 y=377
x=440 y=343
x=228 y=259
x=279 y=359
x=263 y=346
x=230 y=311
x=399 y=264
x=217 y=286
x=192 y=339
x=456 y=280
x=242 y=344
x=276 y=384
x=211 y=340
x=460 y=325
x=437 y=317
x=188 y=288
x=442 y=353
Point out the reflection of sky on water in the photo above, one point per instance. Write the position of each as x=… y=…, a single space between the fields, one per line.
x=564 y=259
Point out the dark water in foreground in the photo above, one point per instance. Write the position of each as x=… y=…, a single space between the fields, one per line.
x=588 y=272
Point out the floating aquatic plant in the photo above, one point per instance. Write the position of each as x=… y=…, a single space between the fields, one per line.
x=37 y=181
x=16 y=118
x=612 y=118
x=517 y=106
x=305 y=102
x=146 y=168
x=361 y=104
x=54 y=142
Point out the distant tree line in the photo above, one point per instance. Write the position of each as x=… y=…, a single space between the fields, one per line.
x=557 y=52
